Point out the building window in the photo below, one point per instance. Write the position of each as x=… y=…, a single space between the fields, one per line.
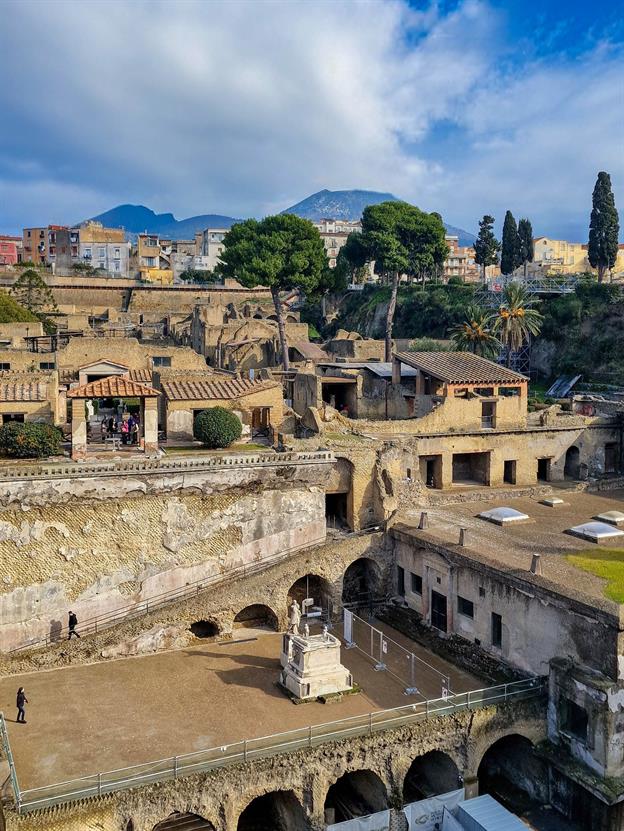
x=150 y=262
x=47 y=365
x=401 y=581
x=573 y=719
x=497 y=630
x=465 y=607
x=117 y=267
x=416 y=583
x=87 y=253
x=4 y=367
x=101 y=253
x=7 y=418
x=481 y=591
x=117 y=253
x=161 y=360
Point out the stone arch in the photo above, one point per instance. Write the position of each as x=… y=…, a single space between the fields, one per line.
x=511 y=772
x=205 y=628
x=178 y=821
x=355 y=794
x=361 y=581
x=433 y=773
x=312 y=586
x=572 y=462
x=257 y=614
x=274 y=811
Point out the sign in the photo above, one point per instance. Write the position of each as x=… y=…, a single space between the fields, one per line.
x=423 y=815
x=348 y=626
x=373 y=822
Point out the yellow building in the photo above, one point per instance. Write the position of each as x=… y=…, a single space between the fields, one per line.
x=562 y=257
x=154 y=264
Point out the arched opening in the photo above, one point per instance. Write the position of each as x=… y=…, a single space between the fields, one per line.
x=355 y=794
x=361 y=582
x=257 y=616
x=130 y=825
x=431 y=774
x=204 y=628
x=184 y=822
x=572 y=462
x=275 y=811
x=311 y=587
x=512 y=773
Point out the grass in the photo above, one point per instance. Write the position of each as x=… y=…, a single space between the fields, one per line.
x=607 y=563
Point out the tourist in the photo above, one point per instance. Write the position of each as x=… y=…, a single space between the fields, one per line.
x=111 y=426
x=103 y=428
x=135 y=433
x=125 y=431
x=21 y=700
x=73 y=622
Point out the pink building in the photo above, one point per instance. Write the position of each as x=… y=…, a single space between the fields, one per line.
x=10 y=250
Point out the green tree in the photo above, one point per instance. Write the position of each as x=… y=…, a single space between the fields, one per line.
x=474 y=334
x=510 y=249
x=29 y=440
x=352 y=259
x=282 y=253
x=199 y=276
x=486 y=245
x=527 y=250
x=604 y=227
x=12 y=312
x=217 y=427
x=32 y=292
x=516 y=320
x=401 y=239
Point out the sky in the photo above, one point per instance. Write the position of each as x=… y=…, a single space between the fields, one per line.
x=245 y=107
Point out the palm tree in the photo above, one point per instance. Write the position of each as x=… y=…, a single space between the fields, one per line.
x=475 y=334
x=516 y=320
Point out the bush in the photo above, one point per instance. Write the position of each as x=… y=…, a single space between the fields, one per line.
x=29 y=440
x=217 y=427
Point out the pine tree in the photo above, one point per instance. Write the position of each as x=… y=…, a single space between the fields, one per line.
x=527 y=251
x=604 y=227
x=486 y=245
x=510 y=252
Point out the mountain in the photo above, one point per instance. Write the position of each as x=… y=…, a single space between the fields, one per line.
x=349 y=204
x=136 y=219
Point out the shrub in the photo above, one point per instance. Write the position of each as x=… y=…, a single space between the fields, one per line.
x=29 y=440
x=217 y=427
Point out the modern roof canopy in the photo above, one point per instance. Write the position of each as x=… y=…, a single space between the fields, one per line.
x=116 y=386
x=460 y=368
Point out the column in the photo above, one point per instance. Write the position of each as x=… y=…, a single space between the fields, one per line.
x=79 y=430
x=150 y=424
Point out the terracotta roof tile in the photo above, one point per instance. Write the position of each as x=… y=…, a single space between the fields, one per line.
x=227 y=390
x=115 y=386
x=28 y=391
x=460 y=367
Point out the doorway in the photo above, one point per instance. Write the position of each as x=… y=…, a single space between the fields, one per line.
x=572 y=462
x=438 y=611
x=543 y=470
x=509 y=472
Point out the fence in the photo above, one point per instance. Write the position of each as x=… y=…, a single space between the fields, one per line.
x=266 y=746
x=390 y=656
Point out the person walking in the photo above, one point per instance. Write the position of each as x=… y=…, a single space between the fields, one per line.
x=103 y=428
x=73 y=622
x=21 y=700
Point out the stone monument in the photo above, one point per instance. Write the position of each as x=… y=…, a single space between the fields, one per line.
x=311 y=663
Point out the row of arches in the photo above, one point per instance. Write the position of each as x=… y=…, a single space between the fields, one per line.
x=361 y=581
x=509 y=770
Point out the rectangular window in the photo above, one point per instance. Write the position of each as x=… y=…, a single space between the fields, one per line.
x=401 y=581
x=497 y=630
x=117 y=267
x=574 y=719
x=5 y=367
x=8 y=417
x=161 y=360
x=465 y=607
x=47 y=365
x=87 y=253
x=416 y=583
x=117 y=253
x=101 y=253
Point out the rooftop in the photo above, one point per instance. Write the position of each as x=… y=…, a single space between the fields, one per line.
x=23 y=391
x=545 y=532
x=460 y=367
x=227 y=390
x=97 y=717
x=115 y=386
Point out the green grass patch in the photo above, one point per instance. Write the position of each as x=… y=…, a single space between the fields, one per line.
x=603 y=562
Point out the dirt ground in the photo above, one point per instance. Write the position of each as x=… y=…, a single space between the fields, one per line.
x=91 y=718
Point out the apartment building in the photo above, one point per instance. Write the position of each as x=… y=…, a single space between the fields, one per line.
x=10 y=250
x=558 y=256
x=153 y=260
x=103 y=248
x=334 y=233
x=209 y=247
x=35 y=245
x=460 y=261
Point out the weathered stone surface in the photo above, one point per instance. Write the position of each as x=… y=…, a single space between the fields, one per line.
x=157 y=638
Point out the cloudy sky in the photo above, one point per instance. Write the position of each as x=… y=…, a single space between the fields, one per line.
x=246 y=106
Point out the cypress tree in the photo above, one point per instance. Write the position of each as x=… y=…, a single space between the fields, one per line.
x=604 y=227
x=525 y=235
x=486 y=245
x=510 y=252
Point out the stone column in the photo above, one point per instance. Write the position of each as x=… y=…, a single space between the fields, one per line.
x=78 y=430
x=471 y=786
x=447 y=471
x=150 y=424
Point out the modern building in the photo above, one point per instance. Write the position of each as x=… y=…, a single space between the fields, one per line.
x=10 y=250
x=209 y=248
x=558 y=256
x=460 y=261
x=153 y=260
x=103 y=248
x=35 y=244
x=334 y=233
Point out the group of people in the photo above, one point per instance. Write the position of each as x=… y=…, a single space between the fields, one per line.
x=127 y=427
x=21 y=700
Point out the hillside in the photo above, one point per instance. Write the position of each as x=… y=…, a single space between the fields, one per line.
x=349 y=205
x=137 y=219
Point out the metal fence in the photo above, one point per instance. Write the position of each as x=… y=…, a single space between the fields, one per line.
x=249 y=749
x=389 y=656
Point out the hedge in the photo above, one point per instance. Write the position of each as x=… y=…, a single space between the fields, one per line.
x=217 y=427
x=29 y=440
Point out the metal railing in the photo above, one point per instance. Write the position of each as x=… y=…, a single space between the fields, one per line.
x=248 y=750
x=5 y=745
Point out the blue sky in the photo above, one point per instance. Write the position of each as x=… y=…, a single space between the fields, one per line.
x=247 y=106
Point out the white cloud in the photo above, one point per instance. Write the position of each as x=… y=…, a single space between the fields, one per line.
x=244 y=107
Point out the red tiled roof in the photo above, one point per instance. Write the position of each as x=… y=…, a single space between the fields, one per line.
x=115 y=386
x=29 y=391
x=227 y=390
x=460 y=367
